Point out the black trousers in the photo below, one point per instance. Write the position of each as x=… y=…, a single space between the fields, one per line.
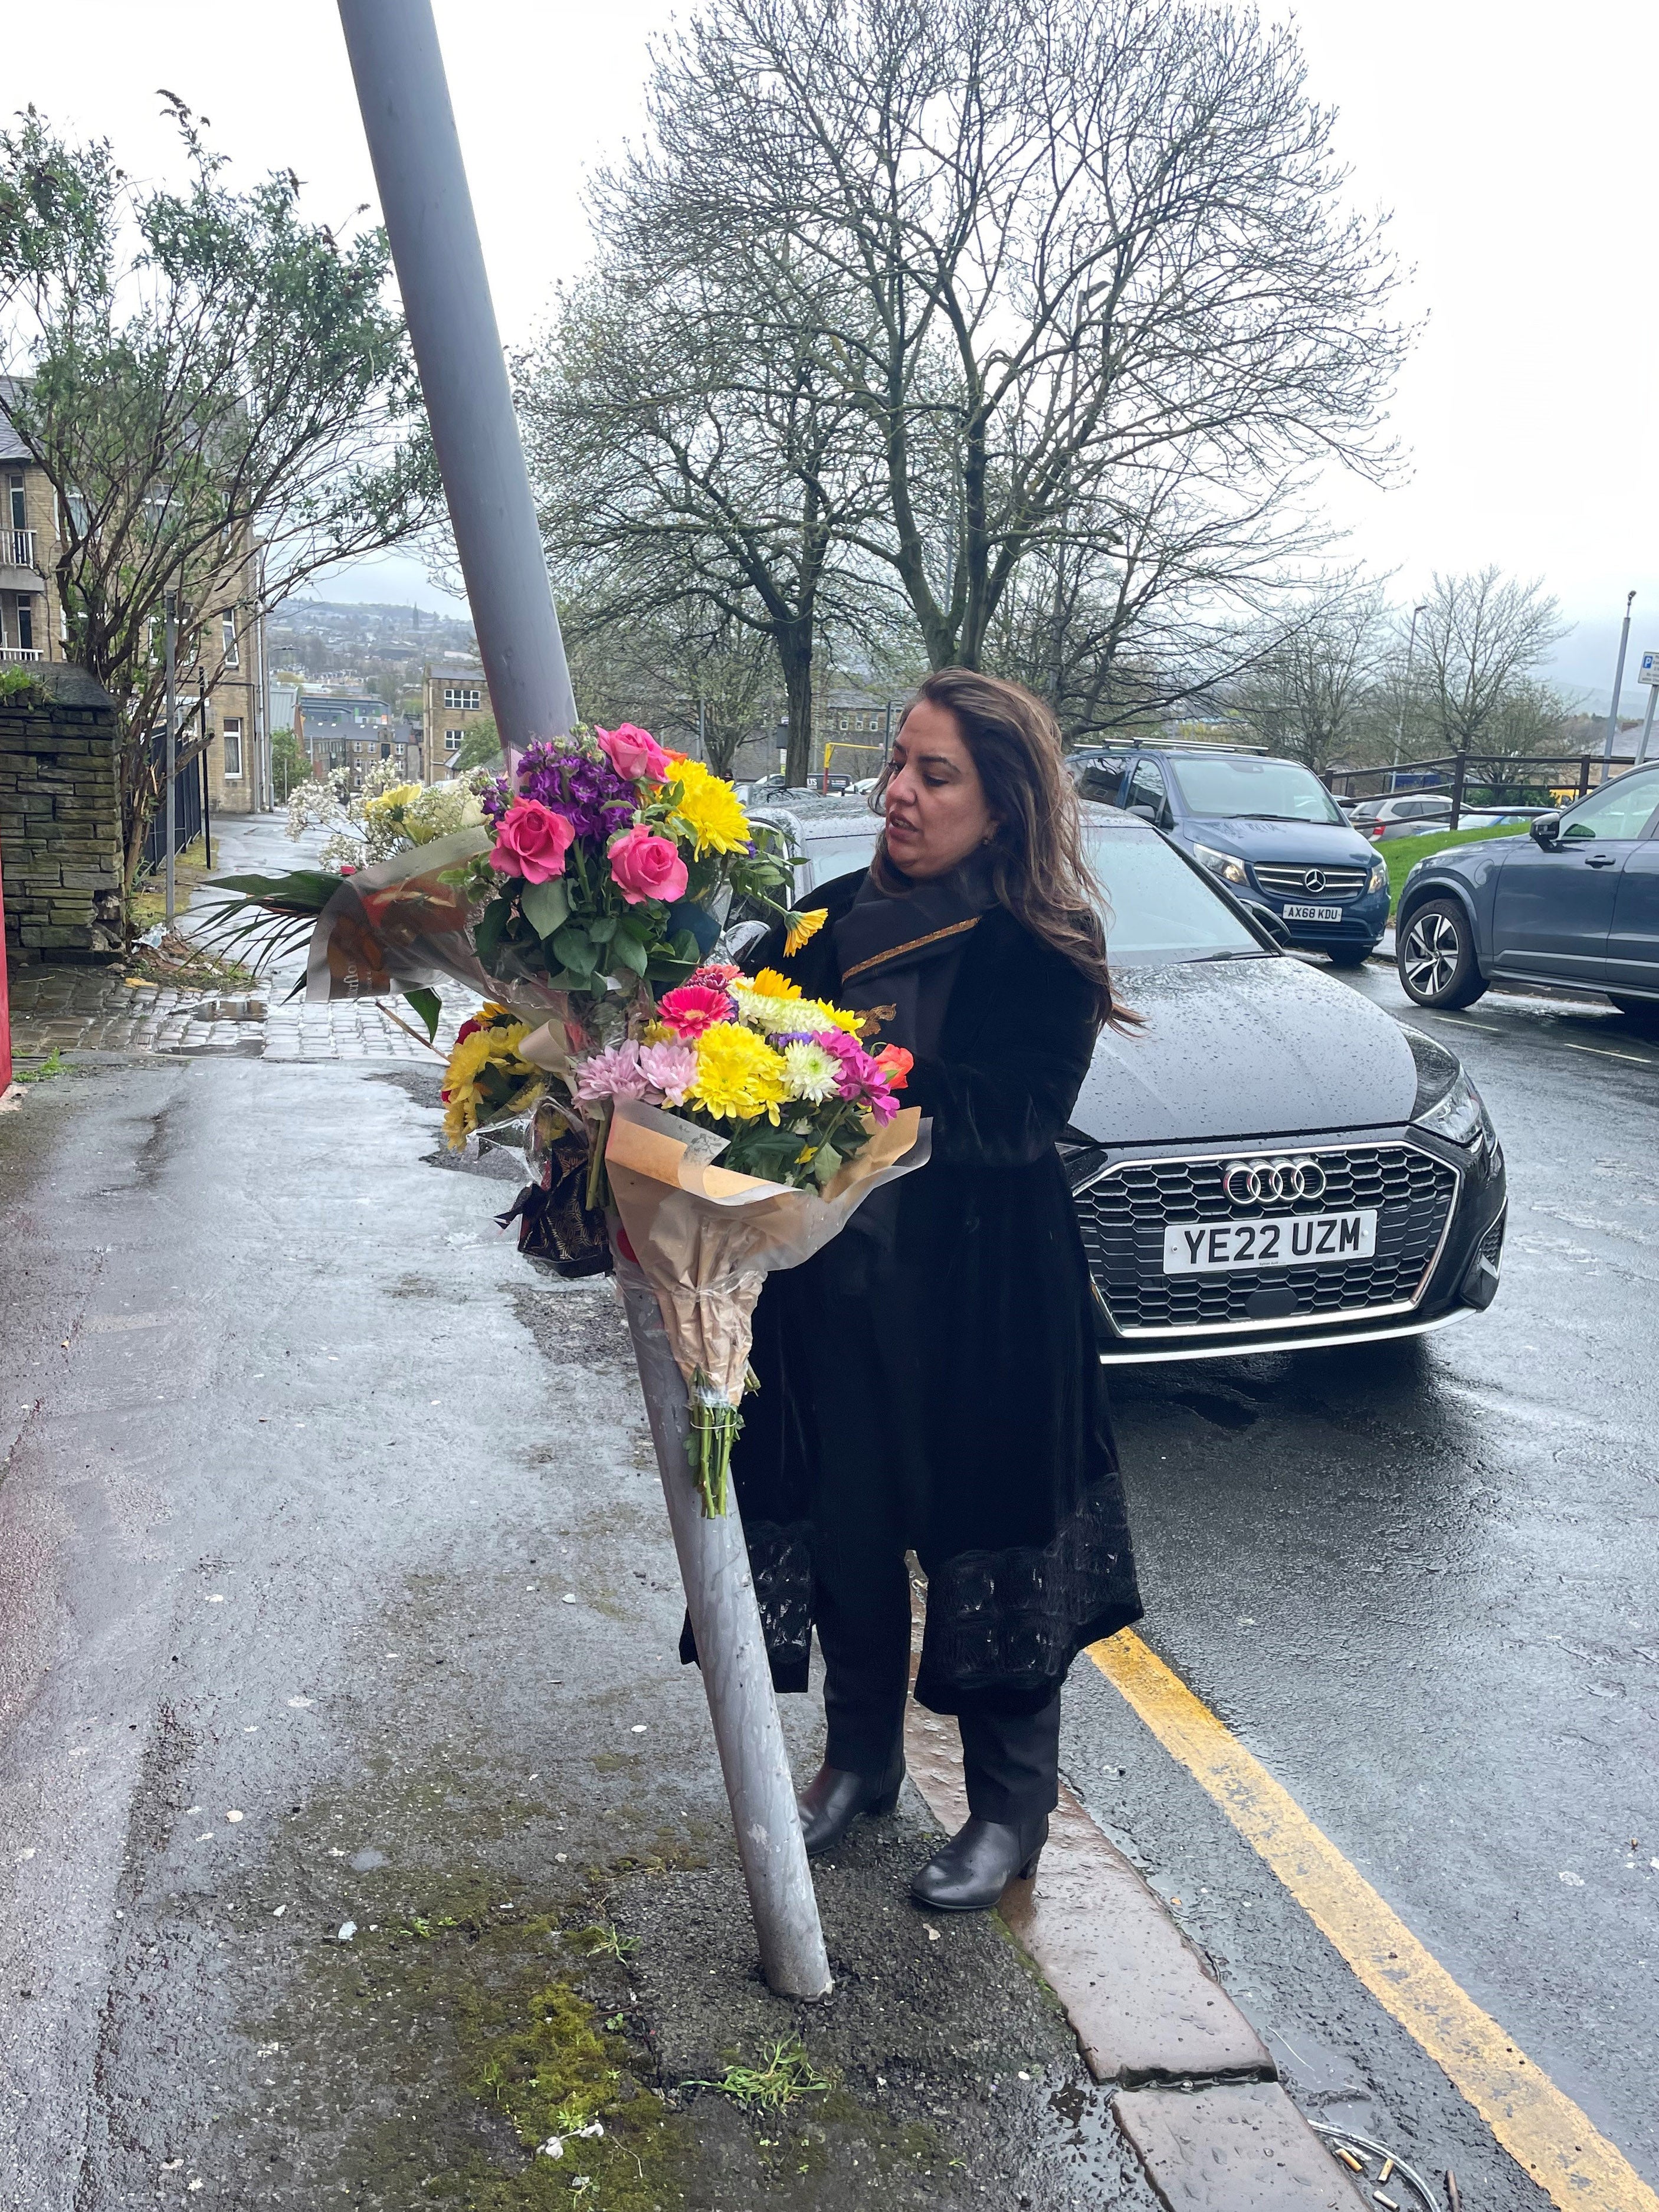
x=862 y=1602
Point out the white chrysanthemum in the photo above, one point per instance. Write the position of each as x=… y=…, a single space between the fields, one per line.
x=772 y=1017
x=812 y=1071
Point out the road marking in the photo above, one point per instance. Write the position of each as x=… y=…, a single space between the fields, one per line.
x=1602 y=1052
x=1542 y=2130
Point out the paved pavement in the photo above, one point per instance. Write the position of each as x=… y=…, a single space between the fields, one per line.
x=1423 y=1587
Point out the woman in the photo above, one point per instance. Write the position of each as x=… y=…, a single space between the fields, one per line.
x=929 y=1381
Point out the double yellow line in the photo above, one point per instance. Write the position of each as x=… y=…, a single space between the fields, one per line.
x=1575 y=2165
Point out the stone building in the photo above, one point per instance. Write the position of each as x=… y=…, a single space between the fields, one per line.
x=221 y=644
x=452 y=701
x=354 y=730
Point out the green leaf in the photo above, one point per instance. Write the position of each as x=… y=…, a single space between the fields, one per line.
x=545 y=907
x=574 y=947
x=627 y=953
x=487 y=937
x=428 y=1005
x=686 y=948
x=825 y=1161
x=664 y=968
x=602 y=928
x=638 y=924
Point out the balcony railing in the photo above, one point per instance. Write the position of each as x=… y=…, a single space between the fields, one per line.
x=21 y=652
x=17 y=549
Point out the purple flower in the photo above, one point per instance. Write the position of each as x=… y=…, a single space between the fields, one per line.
x=561 y=773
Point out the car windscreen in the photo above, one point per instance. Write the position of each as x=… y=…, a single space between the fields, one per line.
x=840 y=854
x=1275 y=791
x=1161 y=911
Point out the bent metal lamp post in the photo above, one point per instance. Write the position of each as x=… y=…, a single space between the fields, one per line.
x=428 y=210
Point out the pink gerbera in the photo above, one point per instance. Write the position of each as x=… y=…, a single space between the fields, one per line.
x=694 y=1008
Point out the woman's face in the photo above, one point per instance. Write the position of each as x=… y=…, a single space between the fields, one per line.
x=934 y=801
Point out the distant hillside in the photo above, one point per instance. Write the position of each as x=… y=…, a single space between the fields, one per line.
x=365 y=638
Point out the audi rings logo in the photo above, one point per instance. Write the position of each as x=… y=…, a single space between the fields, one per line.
x=1272 y=1182
x=1314 y=880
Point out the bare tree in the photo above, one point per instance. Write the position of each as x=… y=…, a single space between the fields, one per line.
x=1304 y=695
x=203 y=367
x=1480 y=639
x=690 y=463
x=1039 y=248
x=701 y=679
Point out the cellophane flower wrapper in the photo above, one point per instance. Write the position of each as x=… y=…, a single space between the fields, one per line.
x=398 y=926
x=705 y=1239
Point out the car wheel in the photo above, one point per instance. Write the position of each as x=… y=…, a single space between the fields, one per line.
x=1349 y=955
x=1435 y=955
x=1640 y=1013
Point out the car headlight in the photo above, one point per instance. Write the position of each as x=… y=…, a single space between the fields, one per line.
x=1379 y=878
x=1458 y=1115
x=1227 y=866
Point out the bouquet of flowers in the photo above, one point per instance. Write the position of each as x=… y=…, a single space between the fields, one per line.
x=585 y=904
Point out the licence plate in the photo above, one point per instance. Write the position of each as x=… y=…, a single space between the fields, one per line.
x=1289 y=1239
x=1313 y=913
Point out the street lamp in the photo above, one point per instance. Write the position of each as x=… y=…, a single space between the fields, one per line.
x=1618 y=689
x=1410 y=655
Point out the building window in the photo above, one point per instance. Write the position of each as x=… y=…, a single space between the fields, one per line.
x=20 y=512
x=232 y=734
x=452 y=740
x=25 y=622
x=466 y=697
x=232 y=659
x=385 y=752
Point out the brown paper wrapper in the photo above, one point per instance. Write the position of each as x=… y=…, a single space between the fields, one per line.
x=706 y=1239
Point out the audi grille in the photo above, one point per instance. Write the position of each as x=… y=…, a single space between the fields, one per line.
x=1124 y=1208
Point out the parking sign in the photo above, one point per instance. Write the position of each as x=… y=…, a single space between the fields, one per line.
x=1649 y=671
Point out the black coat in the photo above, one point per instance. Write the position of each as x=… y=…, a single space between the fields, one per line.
x=945 y=1340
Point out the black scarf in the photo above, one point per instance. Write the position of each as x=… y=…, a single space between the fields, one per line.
x=901 y=949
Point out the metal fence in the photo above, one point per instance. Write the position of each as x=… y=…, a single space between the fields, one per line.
x=1477 y=782
x=189 y=808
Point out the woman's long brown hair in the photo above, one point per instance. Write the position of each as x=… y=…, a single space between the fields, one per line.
x=1040 y=870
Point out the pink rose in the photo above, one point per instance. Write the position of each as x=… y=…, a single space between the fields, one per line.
x=532 y=840
x=646 y=866
x=635 y=753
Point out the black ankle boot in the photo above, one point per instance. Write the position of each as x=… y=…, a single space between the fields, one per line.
x=836 y=1796
x=973 y=1869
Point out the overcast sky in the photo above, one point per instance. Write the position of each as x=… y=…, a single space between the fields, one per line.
x=1508 y=142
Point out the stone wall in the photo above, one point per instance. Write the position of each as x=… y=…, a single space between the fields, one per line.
x=60 y=818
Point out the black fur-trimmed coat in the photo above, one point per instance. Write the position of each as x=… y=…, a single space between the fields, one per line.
x=945 y=1340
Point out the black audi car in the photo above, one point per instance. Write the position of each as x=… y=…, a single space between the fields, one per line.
x=1270 y=1162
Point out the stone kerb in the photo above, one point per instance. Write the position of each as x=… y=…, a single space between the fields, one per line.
x=60 y=818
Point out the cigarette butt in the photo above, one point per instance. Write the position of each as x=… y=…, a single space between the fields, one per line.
x=1388 y=2168
x=1387 y=2203
x=1352 y=2159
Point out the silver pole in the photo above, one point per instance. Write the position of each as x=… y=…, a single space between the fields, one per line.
x=1411 y=655
x=427 y=209
x=171 y=603
x=1618 y=686
x=720 y=1596
x=1647 y=723
x=395 y=58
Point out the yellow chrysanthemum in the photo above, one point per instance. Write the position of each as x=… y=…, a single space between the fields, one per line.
x=739 y=1077
x=801 y=928
x=843 y=1018
x=709 y=810
x=468 y=1061
x=769 y=984
x=401 y=794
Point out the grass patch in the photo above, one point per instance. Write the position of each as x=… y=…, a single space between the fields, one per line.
x=51 y=1066
x=787 y=2076
x=1403 y=853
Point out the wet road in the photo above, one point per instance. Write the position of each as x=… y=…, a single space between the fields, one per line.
x=1421 y=1585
